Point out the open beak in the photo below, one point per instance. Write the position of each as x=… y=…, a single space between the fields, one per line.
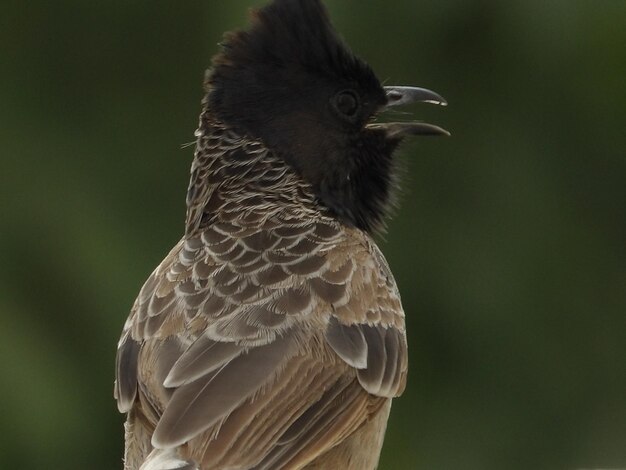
x=403 y=95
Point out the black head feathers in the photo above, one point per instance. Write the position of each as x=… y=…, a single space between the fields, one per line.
x=290 y=50
x=292 y=33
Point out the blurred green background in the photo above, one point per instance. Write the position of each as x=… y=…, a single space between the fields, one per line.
x=509 y=247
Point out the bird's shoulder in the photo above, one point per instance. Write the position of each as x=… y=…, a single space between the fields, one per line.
x=248 y=282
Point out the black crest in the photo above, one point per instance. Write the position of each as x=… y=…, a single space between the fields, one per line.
x=292 y=82
x=286 y=39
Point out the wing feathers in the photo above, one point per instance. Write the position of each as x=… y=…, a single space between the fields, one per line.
x=378 y=354
x=254 y=429
x=348 y=342
x=371 y=377
x=339 y=413
x=201 y=404
x=126 y=365
x=385 y=374
x=202 y=357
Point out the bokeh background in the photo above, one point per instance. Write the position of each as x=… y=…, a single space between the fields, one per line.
x=509 y=247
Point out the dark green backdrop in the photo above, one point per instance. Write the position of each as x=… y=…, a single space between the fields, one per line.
x=509 y=247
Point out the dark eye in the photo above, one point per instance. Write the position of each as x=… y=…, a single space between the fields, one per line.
x=347 y=103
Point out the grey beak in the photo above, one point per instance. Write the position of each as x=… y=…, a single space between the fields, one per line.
x=402 y=95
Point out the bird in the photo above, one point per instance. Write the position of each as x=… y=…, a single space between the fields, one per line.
x=272 y=336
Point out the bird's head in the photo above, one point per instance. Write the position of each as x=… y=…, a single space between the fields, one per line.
x=290 y=81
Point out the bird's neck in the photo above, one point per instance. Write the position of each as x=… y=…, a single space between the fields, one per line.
x=236 y=179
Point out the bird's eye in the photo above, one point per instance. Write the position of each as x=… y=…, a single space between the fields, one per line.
x=347 y=103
